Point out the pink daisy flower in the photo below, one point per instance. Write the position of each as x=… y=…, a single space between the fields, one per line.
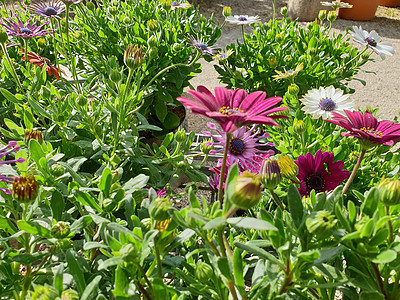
x=367 y=128
x=319 y=172
x=233 y=109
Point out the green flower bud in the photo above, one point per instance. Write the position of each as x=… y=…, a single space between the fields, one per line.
x=284 y=11
x=44 y=292
x=60 y=230
x=126 y=20
x=153 y=53
x=90 y=6
x=113 y=10
x=42 y=43
x=115 y=76
x=166 y=4
x=279 y=37
x=270 y=173
x=299 y=127
x=203 y=271
x=69 y=295
x=206 y=146
x=389 y=191
x=152 y=24
x=57 y=170
x=133 y=57
x=288 y=59
x=320 y=223
x=180 y=135
x=322 y=15
x=3 y=36
x=287 y=166
x=146 y=224
x=78 y=34
x=82 y=100
x=245 y=190
x=293 y=89
x=129 y=253
x=25 y=188
x=332 y=16
x=31 y=134
x=152 y=42
x=176 y=47
x=158 y=209
x=226 y=11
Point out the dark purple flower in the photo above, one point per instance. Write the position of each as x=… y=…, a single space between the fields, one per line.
x=11 y=147
x=234 y=108
x=319 y=172
x=26 y=31
x=367 y=128
x=48 y=9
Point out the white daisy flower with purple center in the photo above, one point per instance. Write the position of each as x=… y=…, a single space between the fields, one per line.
x=373 y=41
x=176 y=4
x=201 y=45
x=48 y=9
x=242 y=19
x=323 y=101
x=244 y=145
x=336 y=4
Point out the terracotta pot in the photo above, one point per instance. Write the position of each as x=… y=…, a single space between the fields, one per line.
x=390 y=3
x=362 y=10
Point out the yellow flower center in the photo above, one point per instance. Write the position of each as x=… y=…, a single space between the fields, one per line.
x=227 y=111
x=371 y=130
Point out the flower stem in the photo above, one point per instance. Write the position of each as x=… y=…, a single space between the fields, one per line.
x=378 y=276
x=223 y=168
x=353 y=174
x=276 y=199
x=26 y=52
x=390 y=225
x=13 y=73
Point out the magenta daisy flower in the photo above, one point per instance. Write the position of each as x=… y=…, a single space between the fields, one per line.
x=319 y=172
x=367 y=128
x=26 y=31
x=201 y=45
x=233 y=109
x=48 y=9
x=242 y=146
x=11 y=147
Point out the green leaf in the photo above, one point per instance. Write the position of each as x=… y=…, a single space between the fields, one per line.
x=87 y=199
x=251 y=223
x=76 y=271
x=80 y=224
x=91 y=288
x=9 y=96
x=194 y=202
x=57 y=205
x=34 y=228
x=385 y=257
x=370 y=204
x=105 y=182
x=261 y=253
x=309 y=255
x=58 y=279
x=216 y=223
x=36 y=151
x=73 y=174
x=223 y=266
x=238 y=270
x=121 y=283
x=29 y=258
x=295 y=205
x=14 y=127
x=7 y=225
x=368 y=295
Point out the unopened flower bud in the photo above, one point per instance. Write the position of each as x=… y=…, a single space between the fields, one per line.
x=287 y=166
x=206 y=146
x=166 y=4
x=133 y=57
x=82 y=100
x=90 y=6
x=299 y=127
x=272 y=62
x=153 y=53
x=293 y=89
x=389 y=191
x=322 y=15
x=25 y=188
x=271 y=173
x=152 y=42
x=69 y=295
x=279 y=37
x=180 y=135
x=113 y=10
x=115 y=76
x=3 y=36
x=126 y=20
x=226 y=11
x=129 y=253
x=152 y=24
x=162 y=226
x=42 y=43
x=158 y=209
x=176 y=47
x=284 y=11
x=60 y=230
x=332 y=16
x=245 y=190
x=320 y=223
x=57 y=170
x=33 y=135
x=203 y=272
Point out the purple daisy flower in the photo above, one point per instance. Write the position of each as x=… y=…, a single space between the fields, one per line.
x=201 y=45
x=242 y=146
x=49 y=9
x=26 y=31
x=319 y=172
x=11 y=147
